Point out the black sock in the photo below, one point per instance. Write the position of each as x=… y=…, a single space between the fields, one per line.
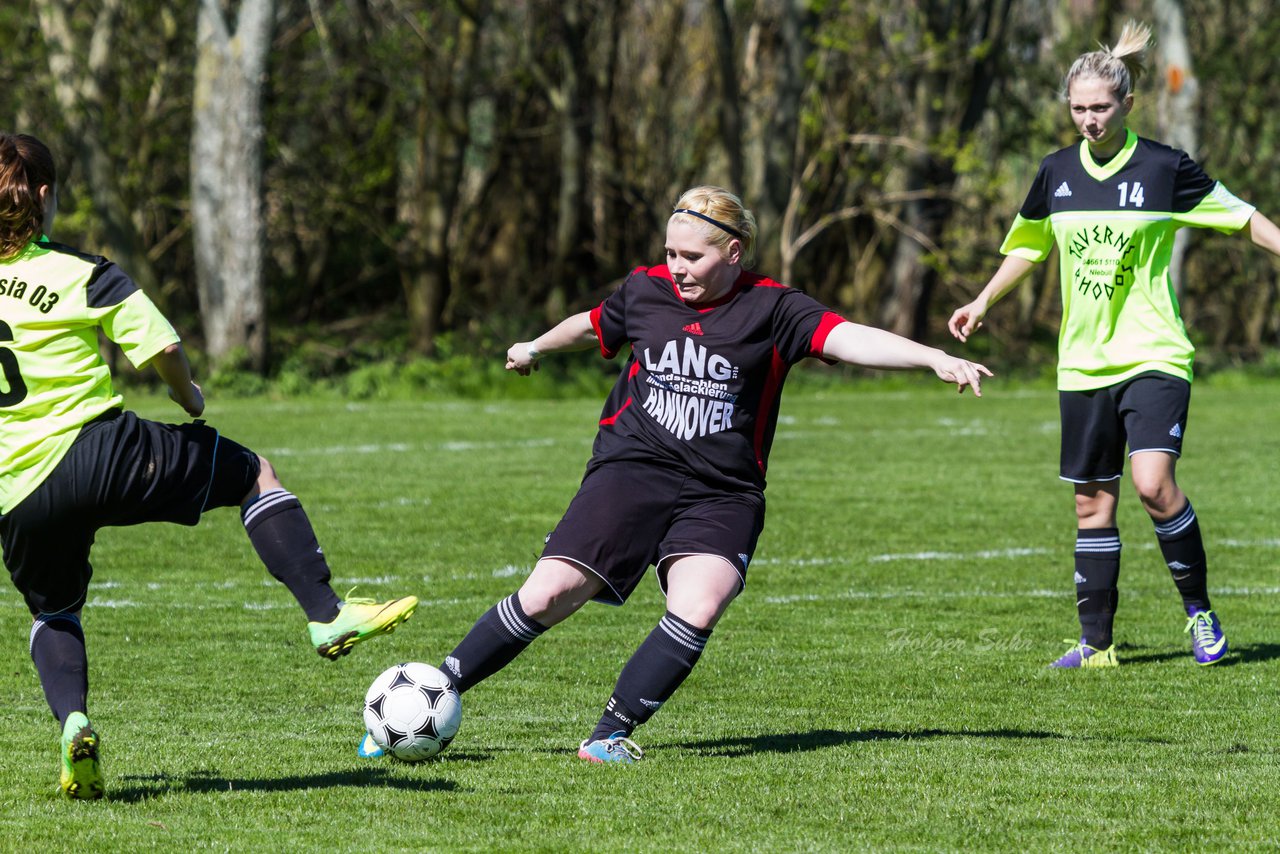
x=57 y=648
x=1183 y=550
x=653 y=674
x=281 y=533
x=501 y=633
x=1097 y=577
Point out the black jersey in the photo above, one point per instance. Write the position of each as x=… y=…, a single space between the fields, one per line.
x=701 y=388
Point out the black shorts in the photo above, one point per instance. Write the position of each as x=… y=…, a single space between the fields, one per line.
x=629 y=515
x=1148 y=412
x=121 y=470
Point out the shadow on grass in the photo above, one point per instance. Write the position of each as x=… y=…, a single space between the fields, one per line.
x=823 y=738
x=1248 y=654
x=139 y=787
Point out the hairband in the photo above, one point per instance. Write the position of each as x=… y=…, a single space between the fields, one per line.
x=717 y=223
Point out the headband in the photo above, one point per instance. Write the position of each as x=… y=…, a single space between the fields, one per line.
x=717 y=223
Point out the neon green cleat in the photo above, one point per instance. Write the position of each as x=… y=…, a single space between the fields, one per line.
x=359 y=620
x=81 y=774
x=1083 y=655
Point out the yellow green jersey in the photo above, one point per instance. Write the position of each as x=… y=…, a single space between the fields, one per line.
x=53 y=379
x=1114 y=225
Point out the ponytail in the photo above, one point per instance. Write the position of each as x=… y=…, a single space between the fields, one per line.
x=26 y=165
x=1119 y=66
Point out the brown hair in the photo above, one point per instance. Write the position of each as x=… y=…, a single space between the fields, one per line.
x=26 y=165
x=1118 y=66
x=723 y=209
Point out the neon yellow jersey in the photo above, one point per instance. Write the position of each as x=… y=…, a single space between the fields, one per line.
x=53 y=300
x=1113 y=225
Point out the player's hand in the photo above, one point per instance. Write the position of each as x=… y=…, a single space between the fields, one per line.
x=520 y=360
x=961 y=372
x=966 y=320
x=191 y=399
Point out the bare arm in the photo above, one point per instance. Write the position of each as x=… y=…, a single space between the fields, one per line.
x=172 y=366
x=869 y=347
x=573 y=333
x=967 y=318
x=1263 y=232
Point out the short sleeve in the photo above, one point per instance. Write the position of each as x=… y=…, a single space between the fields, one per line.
x=799 y=322
x=1201 y=202
x=609 y=320
x=138 y=327
x=1031 y=235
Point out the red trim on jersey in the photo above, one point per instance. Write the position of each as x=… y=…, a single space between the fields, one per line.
x=595 y=324
x=768 y=402
x=614 y=417
x=635 y=369
x=829 y=321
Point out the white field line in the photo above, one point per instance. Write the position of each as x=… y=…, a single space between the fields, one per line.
x=412 y=447
x=512 y=570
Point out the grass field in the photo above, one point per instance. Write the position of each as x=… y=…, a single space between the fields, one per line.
x=881 y=684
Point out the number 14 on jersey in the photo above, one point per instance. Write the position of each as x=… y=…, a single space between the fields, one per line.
x=1134 y=197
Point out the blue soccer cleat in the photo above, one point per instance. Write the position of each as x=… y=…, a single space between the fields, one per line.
x=1083 y=655
x=369 y=748
x=616 y=748
x=1208 y=643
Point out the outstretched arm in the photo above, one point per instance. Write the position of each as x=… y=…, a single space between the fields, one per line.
x=967 y=318
x=573 y=333
x=869 y=347
x=172 y=366
x=1263 y=232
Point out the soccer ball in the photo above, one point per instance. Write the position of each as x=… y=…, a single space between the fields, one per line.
x=412 y=711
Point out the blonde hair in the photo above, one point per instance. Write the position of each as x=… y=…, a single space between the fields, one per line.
x=1119 y=66
x=729 y=220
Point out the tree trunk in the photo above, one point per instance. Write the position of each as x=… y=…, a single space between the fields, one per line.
x=730 y=94
x=226 y=179
x=1176 y=104
x=78 y=70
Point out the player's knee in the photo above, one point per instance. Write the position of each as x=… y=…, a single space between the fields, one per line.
x=267 y=478
x=554 y=591
x=1158 y=495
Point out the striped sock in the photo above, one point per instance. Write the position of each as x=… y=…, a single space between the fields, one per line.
x=1097 y=577
x=653 y=674
x=281 y=533
x=501 y=633
x=1183 y=550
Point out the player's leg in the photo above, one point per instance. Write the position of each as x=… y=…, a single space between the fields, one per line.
x=705 y=554
x=555 y=589
x=58 y=652
x=699 y=590
x=1156 y=414
x=1093 y=440
x=281 y=533
x=47 y=539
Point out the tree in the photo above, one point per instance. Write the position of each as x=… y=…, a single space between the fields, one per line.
x=226 y=178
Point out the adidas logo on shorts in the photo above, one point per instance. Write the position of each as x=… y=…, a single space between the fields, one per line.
x=1062 y=192
x=1176 y=431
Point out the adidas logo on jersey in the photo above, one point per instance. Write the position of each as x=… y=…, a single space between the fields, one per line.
x=694 y=328
x=1176 y=431
x=1062 y=192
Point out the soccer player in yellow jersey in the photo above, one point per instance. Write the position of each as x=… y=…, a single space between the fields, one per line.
x=1112 y=204
x=72 y=460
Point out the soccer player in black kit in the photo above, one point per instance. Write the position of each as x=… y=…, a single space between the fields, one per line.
x=677 y=475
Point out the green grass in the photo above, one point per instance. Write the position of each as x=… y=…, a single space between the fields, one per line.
x=881 y=684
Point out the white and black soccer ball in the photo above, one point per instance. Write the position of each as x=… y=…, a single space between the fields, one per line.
x=412 y=711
